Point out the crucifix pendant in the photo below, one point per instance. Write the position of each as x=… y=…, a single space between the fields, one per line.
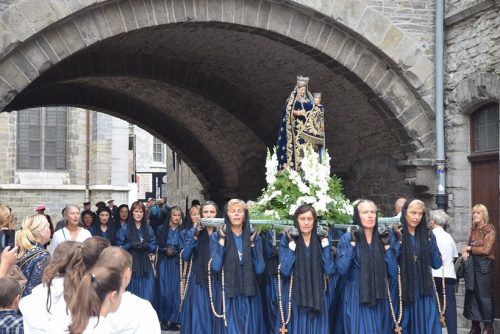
x=283 y=330
x=443 y=322
x=397 y=329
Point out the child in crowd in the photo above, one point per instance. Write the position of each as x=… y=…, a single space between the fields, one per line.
x=10 y=294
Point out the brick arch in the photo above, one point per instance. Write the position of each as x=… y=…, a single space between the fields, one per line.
x=388 y=66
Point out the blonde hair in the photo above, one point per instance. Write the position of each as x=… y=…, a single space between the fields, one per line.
x=5 y=216
x=236 y=202
x=484 y=211
x=32 y=230
x=418 y=204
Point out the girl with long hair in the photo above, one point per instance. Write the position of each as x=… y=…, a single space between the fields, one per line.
x=46 y=309
x=98 y=294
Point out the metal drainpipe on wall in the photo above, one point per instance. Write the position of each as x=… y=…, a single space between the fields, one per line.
x=441 y=196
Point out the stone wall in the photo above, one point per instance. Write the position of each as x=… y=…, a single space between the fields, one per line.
x=415 y=17
x=472 y=60
x=182 y=184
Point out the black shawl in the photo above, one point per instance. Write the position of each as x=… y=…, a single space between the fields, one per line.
x=309 y=284
x=373 y=270
x=407 y=262
x=111 y=231
x=238 y=280
x=141 y=265
x=202 y=254
x=163 y=234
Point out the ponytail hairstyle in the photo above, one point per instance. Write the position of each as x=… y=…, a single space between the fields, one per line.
x=91 y=294
x=57 y=266
x=5 y=216
x=116 y=257
x=84 y=259
x=32 y=232
x=78 y=260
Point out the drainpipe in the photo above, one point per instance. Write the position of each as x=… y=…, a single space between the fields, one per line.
x=87 y=174
x=441 y=196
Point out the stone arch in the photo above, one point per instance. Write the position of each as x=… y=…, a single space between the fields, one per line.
x=391 y=66
x=479 y=88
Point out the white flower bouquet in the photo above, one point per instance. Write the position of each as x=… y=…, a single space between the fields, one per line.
x=288 y=189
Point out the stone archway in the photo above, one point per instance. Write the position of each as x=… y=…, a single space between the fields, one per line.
x=391 y=73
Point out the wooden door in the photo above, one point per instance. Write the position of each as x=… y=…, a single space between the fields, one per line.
x=485 y=190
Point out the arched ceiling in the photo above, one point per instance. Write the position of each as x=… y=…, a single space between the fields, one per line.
x=215 y=95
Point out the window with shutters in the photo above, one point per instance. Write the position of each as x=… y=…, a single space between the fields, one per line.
x=41 y=139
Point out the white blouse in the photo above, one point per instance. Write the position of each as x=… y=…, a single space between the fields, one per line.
x=63 y=235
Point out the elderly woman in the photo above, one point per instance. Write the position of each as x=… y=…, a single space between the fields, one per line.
x=304 y=262
x=33 y=257
x=438 y=219
x=478 y=305
x=72 y=231
x=417 y=253
x=238 y=253
x=366 y=257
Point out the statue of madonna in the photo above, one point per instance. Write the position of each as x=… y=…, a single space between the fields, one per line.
x=302 y=123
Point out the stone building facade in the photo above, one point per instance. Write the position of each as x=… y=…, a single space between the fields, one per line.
x=96 y=165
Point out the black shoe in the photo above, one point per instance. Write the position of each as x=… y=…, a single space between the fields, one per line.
x=164 y=326
x=174 y=327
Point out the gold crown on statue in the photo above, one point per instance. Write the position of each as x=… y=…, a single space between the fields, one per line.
x=302 y=81
x=317 y=95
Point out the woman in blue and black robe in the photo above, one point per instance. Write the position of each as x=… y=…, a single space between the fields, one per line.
x=271 y=256
x=196 y=314
x=170 y=243
x=310 y=260
x=368 y=261
x=239 y=253
x=138 y=238
x=104 y=226
x=418 y=253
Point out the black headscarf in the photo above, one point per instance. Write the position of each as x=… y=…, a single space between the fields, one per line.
x=238 y=280
x=116 y=219
x=407 y=262
x=202 y=253
x=163 y=234
x=373 y=271
x=111 y=232
x=309 y=285
x=141 y=265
